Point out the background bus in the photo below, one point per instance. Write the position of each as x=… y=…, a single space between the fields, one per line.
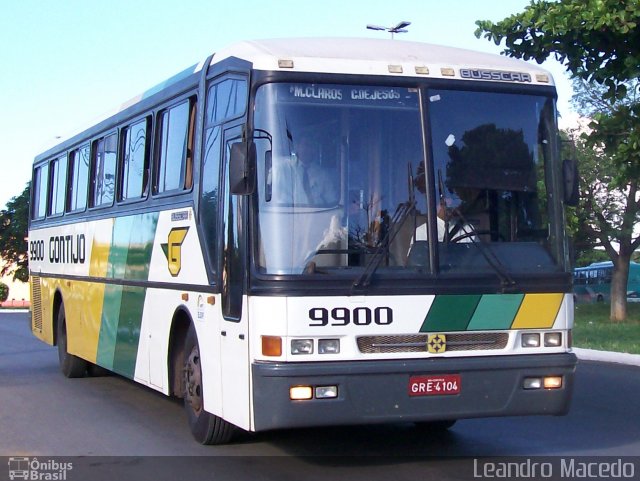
x=593 y=282
x=308 y=232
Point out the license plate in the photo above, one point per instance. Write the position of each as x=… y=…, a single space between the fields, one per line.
x=434 y=385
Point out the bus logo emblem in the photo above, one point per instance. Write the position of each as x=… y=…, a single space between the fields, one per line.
x=173 y=249
x=436 y=343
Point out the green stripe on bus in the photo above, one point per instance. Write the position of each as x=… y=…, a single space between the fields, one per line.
x=141 y=246
x=495 y=311
x=120 y=237
x=129 y=257
x=109 y=326
x=128 y=335
x=450 y=313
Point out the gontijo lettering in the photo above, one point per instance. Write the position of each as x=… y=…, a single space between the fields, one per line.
x=67 y=249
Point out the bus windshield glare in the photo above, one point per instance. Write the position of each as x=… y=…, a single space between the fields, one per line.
x=345 y=171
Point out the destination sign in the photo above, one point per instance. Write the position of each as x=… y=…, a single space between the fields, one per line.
x=356 y=95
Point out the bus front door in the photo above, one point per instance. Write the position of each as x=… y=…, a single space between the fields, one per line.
x=234 y=348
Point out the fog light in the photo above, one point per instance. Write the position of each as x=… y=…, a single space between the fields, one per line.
x=531 y=340
x=553 y=382
x=532 y=383
x=302 y=346
x=271 y=346
x=300 y=393
x=326 y=392
x=553 y=339
x=329 y=346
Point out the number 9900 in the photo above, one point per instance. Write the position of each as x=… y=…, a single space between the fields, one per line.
x=343 y=316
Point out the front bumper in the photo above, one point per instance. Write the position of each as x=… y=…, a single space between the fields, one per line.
x=377 y=391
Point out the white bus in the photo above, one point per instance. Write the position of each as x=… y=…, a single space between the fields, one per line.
x=309 y=232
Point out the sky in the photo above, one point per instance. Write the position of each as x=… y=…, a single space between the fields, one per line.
x=64 y=63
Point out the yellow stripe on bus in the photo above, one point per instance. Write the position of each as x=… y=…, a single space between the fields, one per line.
x=538 y=311
x=88 y=297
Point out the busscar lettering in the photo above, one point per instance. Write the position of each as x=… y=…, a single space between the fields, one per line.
x=498 y=75
x=67 y=249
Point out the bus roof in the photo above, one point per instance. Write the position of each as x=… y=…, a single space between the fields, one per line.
x=601 y=264
x=375 y=56
x=357 y=56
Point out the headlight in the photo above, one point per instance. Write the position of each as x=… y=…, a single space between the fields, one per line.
x=302 y=346
x=553 y=339
x=329 y=346
x=530 y=339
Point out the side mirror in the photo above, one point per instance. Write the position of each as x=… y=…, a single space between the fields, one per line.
x=242 y=172
x=570 y=180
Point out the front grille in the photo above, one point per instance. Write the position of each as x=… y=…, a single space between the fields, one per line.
x=466 y=341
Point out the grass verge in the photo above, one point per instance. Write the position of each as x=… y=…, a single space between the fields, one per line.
x=593 y=330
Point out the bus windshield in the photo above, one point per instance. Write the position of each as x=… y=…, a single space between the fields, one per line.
x=345 y=173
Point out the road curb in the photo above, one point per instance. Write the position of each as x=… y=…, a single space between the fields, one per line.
x=606 y=356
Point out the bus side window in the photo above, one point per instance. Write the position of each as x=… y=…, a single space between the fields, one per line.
x=134 y=160
x=58 y=185
x=103 y=171
x=188 y=181
x=210 y=191
x=226 y=99
x=78 y=178
x=174 y=151
x=39 y=201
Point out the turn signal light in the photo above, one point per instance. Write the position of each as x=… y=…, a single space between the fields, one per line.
x=272 y=346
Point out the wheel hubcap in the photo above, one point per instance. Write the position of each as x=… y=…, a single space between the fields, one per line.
x=193 y=381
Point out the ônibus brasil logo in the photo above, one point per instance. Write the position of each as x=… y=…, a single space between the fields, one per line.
x=36 y=470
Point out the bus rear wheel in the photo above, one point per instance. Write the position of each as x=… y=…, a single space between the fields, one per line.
x=70 y=365
x=205 y=427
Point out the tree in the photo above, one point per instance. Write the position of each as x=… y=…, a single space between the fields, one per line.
x=4 y=292
x=598 y=41
x=13 y=234
x=609 y=209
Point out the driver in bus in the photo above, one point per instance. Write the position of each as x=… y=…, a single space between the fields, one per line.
x=447 y=215
x=313 y=183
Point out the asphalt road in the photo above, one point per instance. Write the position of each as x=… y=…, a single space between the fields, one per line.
x=119 y=428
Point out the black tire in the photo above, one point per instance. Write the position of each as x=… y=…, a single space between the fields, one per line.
x=97 y=371
x=70 y=365
x=205 y=427
x=436 y=426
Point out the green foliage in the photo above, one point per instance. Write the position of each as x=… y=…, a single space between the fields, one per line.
x=4 y=292
x=14 y=225
x=592 y=330
x=589 y=256
x=598 y=40
x=599 y=43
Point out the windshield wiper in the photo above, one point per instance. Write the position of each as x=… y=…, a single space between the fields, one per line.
x=400 y=215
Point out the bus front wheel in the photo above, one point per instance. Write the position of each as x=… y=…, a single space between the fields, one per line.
x=206 y=428
x=70 y=365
